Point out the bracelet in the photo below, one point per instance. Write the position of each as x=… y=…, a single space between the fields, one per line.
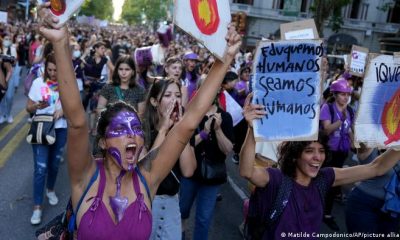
x=203 y=135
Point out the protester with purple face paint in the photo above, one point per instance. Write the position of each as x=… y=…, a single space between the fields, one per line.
x=117 y=205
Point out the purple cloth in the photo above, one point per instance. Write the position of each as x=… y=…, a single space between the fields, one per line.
x=97 y=223
x=304 y=210
x=192 y=84
x=76 y=63
x=339 y=140
x=241 y=85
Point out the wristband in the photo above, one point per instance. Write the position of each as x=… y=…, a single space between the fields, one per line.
x=203 y=135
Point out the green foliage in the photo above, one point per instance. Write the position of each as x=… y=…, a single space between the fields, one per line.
x=101 y=9
x=323 y=9
x=135 y=11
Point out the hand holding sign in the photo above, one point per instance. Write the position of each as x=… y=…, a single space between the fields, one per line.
x=49 y=25
x=252 y=111
x=206 y=20
x=62 y=9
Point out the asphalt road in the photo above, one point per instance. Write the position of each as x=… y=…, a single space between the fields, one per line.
x=16 y=174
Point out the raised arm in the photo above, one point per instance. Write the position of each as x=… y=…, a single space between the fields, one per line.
x=247 y=168
x=179 y=135
x=80 y=162
x=378 y=167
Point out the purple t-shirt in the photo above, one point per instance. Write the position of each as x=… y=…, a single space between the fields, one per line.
x=339 y=140
x=304 y=210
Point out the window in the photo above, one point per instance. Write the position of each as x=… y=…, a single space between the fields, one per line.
x=248 y=2
x=364 y=11
x=355 y=7
x=304 y=6
x=277 y=4
x=393 y=14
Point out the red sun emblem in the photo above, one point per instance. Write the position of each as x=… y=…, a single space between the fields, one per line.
x=206 y=16
x=391 y=118
x=57 y=7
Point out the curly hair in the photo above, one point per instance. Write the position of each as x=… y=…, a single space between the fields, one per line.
x=112 y=109
x=289 y=152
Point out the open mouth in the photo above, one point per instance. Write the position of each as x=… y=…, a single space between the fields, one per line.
x=130 y=151
x=315 y=166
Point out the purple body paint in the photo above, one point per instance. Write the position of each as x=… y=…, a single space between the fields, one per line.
x=116 y=154
x=118 y=203
x=125 y=123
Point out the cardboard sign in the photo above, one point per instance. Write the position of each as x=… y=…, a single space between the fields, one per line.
x=378 y=118
x=3 y=17
x=63 y=9
x=287 y=81
x=205 y=20
x=305 y=29
x=357 y=60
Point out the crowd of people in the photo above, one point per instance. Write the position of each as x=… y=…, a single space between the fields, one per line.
x=138 y=136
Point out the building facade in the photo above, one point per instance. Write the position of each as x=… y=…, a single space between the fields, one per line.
x=370 y=22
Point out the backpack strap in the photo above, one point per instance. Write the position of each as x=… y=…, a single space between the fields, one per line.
x=323 y=188
x=281 y=200
x=119 y=93
x=351 y=112
x=143 y=180
x=331 y=111
x=72 y=223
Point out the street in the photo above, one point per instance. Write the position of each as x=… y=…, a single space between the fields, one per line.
x=16 y=173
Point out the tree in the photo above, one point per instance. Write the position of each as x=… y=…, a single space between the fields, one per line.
x=101 y=9
x=323 y=9
x=135 y=11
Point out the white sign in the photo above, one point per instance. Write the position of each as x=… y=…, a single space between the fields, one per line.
x=205 y=20
x=300 y=34
x=287 y=81
x=3 y=17
x=358 y=58
x=378 y=118
x=233 y=108
x=304 y=29
x=63 y=9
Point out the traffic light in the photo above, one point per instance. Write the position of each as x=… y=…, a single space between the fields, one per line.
x=241 y=27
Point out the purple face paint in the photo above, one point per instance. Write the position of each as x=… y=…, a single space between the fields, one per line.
x=115 y=153
x=118 y=203
x=124 y=123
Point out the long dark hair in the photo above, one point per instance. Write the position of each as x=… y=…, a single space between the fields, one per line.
x=156 y=91
x=289 y=152
x=116 y=80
